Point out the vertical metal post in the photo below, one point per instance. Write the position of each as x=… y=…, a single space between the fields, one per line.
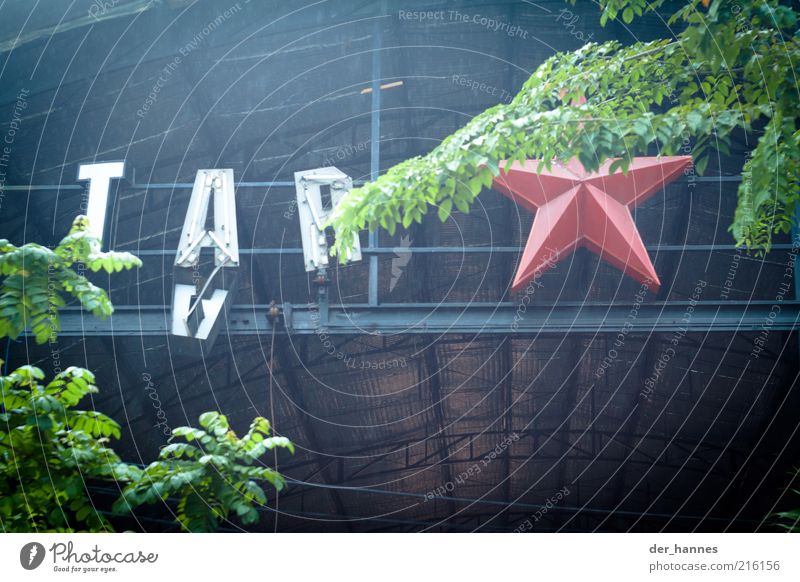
x=375 y=151
x=322 y=299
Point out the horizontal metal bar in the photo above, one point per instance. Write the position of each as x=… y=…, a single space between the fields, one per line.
x=459 y=250
x=53 y=187
x=190 y=185
x=271 y=184
x=428 y=318
x=158 y=186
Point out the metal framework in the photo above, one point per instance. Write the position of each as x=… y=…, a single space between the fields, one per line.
x=431 y=318
x=439 y=318
x=426 y=317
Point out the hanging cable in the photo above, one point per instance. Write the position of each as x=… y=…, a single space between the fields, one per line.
x=272 y=414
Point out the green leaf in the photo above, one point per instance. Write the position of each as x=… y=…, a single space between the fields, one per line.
x=445 y=206
x=475 y=186
x=627 y=15
x=41 y=421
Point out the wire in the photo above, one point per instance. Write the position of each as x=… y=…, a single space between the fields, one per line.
x=5 y=362
x=530 y=506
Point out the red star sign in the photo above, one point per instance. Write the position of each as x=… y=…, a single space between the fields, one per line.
x=575 y=208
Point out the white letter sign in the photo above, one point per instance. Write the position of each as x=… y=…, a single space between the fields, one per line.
x=99 y=176
x=318 y=192
x=198 y=301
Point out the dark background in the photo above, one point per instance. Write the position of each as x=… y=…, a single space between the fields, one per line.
x=276 y=88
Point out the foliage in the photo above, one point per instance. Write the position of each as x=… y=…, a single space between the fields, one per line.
x=48 y=450
x=732 y=67
x=36 y=280
x=212 y=474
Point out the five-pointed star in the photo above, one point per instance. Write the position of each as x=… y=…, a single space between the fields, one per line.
x=575 y=208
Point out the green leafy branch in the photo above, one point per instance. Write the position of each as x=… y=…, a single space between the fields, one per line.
x=48 y=450
x=731 y=68
x=212 y=473
x=36 y=281
x=790 y=520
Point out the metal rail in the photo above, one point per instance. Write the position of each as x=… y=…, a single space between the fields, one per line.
x=438 y=318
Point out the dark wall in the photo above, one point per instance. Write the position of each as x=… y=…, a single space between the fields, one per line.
x=270 y=88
